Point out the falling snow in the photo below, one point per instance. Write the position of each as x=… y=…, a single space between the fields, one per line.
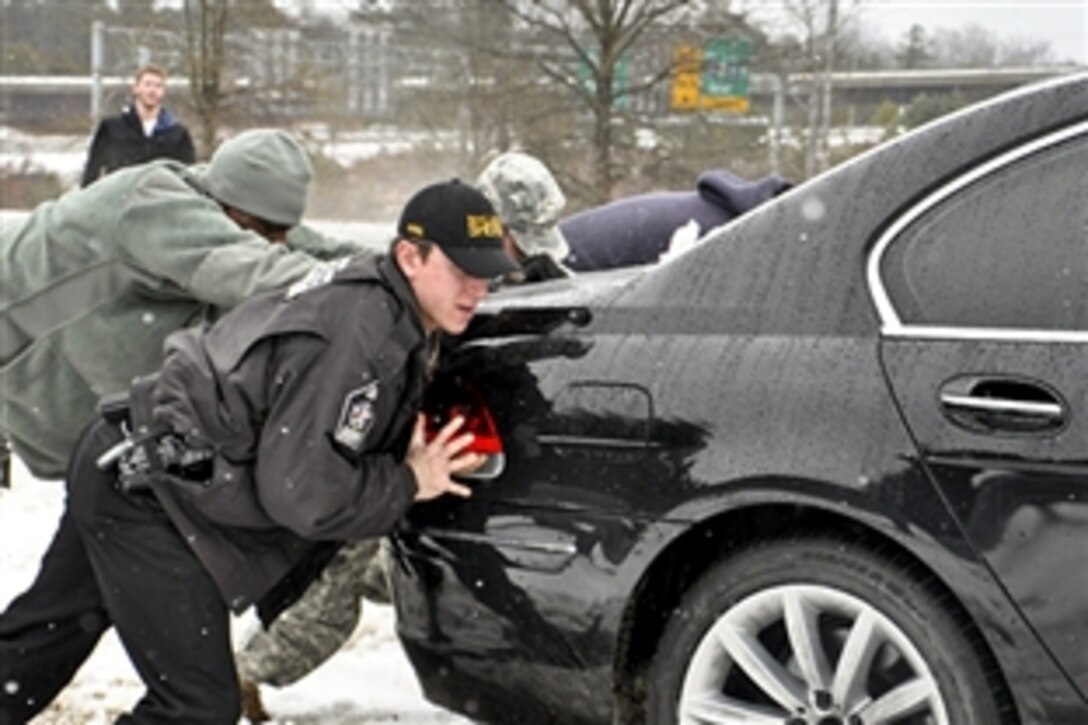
x=813 y=209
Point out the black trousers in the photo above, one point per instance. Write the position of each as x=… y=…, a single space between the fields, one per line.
x=116 y=559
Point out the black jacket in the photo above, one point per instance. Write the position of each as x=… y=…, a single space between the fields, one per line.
x=120 y=141
x=308 y=398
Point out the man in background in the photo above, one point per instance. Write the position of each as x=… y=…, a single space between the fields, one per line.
x=144 y=131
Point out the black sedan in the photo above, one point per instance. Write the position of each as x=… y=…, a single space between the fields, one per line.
x=828 y=466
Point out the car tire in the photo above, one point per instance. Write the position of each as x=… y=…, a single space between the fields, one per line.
x=817 y=630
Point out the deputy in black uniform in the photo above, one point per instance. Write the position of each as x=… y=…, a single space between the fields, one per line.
x=287 y=425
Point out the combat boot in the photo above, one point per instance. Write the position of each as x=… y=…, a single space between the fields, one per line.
x=252 y=707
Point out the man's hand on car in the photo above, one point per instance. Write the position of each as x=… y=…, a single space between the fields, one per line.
x=434 y=462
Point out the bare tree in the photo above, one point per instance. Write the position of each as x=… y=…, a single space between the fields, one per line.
x=461 y=79
x=205 y=33
x=1025 y=52
x=597 y=34
x=818 y=29
x=580 y=83
x=976 y=47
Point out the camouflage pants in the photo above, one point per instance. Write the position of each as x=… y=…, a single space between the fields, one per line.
x=318 y=624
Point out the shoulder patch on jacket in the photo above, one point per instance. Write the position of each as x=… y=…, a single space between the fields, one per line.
x=321 y=274
x=356 y=417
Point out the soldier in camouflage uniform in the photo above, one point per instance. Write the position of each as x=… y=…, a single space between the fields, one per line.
x=529 y=202
x=315 y=627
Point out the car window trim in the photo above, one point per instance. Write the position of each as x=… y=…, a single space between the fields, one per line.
x=890 y=323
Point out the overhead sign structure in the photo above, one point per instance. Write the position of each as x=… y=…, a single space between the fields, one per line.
x=687 y=64
x=714 y=77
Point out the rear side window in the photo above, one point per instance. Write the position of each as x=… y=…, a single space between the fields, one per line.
x=1010 y=250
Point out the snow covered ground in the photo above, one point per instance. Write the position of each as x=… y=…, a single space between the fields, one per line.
x=64 y=155
x=369 y=681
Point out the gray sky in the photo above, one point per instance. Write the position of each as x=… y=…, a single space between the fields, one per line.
x=1063 y=23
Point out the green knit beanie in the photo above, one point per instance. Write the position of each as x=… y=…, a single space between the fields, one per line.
x=263 y=172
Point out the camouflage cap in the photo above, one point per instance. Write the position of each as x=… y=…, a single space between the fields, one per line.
x=529 y=201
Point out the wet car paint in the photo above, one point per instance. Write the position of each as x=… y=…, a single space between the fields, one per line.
x=656 y=418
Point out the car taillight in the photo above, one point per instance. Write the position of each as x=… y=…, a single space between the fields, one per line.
x=457 y=398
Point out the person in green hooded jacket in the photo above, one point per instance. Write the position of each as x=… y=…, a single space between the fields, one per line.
x=93 y=282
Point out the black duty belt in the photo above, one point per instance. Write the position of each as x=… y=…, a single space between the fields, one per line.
x=139 y=457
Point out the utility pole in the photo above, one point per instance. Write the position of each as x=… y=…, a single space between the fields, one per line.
x=823 y=153
x=778 y=81
x=98 y=30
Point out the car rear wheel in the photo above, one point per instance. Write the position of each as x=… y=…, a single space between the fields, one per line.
x=816 y=631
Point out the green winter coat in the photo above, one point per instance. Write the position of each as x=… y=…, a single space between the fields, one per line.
x=92 y=283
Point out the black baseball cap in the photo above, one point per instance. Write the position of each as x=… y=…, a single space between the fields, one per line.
x=462 y=222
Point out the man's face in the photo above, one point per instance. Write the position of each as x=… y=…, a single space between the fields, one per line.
x=447 y=296
x=274 y=233
x=149 y=90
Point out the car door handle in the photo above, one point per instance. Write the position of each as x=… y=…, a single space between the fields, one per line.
x=981 y=407
x=996 y=405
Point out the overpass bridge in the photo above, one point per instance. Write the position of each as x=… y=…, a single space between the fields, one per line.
x=901 y=86
x=66 y=101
